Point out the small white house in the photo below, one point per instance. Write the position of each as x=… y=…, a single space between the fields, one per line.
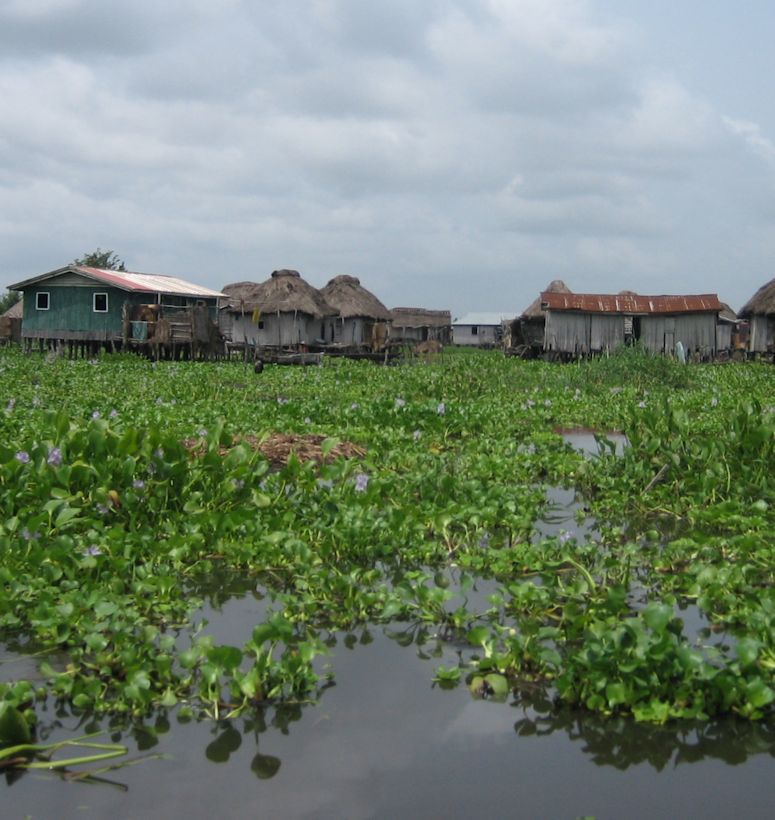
x=480 y=329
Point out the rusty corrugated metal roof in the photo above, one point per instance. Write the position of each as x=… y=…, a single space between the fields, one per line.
x=630 y=303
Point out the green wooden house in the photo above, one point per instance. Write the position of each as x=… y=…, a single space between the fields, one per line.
x=80 y=304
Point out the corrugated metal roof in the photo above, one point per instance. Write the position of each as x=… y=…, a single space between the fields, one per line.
x=630 y=303
x=147 y=282
x=494 y=319
x=126 y=280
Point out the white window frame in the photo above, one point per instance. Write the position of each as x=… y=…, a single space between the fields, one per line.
x=94 y=301
x=47 y=294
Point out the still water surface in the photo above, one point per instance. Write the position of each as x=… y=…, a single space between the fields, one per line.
x=384 y=743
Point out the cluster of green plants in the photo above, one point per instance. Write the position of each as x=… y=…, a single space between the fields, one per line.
x=112 y=524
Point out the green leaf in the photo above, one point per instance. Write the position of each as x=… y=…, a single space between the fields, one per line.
x=478 y=636
x=13 y=727
x=657 y=616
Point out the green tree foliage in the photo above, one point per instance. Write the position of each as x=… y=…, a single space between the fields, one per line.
x=9 y=299
x=107 y=260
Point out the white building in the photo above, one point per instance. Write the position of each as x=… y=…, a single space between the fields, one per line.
x=480 y=329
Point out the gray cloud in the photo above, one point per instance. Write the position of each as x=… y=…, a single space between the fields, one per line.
x=427 y=147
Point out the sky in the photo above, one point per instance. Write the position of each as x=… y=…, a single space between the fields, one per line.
x=455 y=154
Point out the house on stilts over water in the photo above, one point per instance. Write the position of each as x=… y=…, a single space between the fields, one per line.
x=759 y=311
x=412 y=325
x=362 y=320
x=85 y=309
x=284 y=311
x=587 y=323
x=527 y=330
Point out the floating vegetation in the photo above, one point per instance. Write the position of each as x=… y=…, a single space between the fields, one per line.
x=356 y=495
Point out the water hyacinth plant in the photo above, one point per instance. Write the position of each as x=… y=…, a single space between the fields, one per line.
x=387 y=508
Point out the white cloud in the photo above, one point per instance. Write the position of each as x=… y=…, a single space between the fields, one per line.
x=752 y=135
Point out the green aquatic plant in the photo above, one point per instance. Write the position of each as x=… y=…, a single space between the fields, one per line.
x=127 y=489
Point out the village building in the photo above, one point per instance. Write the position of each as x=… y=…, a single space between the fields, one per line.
x=759 y=311
x=588 y=323
x=11 y=323
x=362 y=319
x=284 y=311
x=412 y=325
x=479 y=329
x=86 y=308
x=527 y=330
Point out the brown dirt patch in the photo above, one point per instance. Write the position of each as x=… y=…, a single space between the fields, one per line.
x=277 y=447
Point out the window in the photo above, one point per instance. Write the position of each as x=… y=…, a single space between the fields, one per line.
x=100 y=302
x=474 y=330
x=41 y=300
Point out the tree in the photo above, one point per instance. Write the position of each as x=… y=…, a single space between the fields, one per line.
x=107 y=260
x=9 y=299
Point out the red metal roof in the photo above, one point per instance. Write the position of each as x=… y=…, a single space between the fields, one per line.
x=630 y=303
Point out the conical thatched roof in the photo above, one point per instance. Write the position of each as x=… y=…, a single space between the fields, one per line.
x=533 y=311
x=284 y=292
x=762 y=303
x=351 y=299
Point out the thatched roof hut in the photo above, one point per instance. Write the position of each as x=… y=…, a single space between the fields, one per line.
x=762 y=303
x=352 y=300
x=760 y=311
x=284 y=292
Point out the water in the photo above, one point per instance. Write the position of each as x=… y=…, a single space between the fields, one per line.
x=385 y=743
x=586 y=441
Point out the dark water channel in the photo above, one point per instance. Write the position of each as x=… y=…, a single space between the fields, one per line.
x=384 y=742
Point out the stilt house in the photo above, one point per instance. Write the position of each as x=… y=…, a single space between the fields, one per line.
x=585 y=323
x=759 y=310
x=527 y=330
x=362 y=317
x=419 y=325
x=91 y=307
x=284 y=311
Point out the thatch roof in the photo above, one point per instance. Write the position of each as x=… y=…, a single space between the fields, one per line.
x=16 y=311
x=533 y=311
x=284 y=292
x=351 y=299
x=420 y=317
x=762 y=303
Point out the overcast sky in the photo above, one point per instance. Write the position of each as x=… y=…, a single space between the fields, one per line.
x=452 y=154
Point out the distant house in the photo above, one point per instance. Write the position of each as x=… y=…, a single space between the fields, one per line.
x=584 y=323
x=11 y=323
x=360 y=313
x=527 y=330
x=759 y=310
x=420 y=325
x=727 y=329
x=283 y=311
x=479 y=329
x=81 y=305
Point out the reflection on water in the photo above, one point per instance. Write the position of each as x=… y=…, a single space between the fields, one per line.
x=384 y=742
x=592 y=442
